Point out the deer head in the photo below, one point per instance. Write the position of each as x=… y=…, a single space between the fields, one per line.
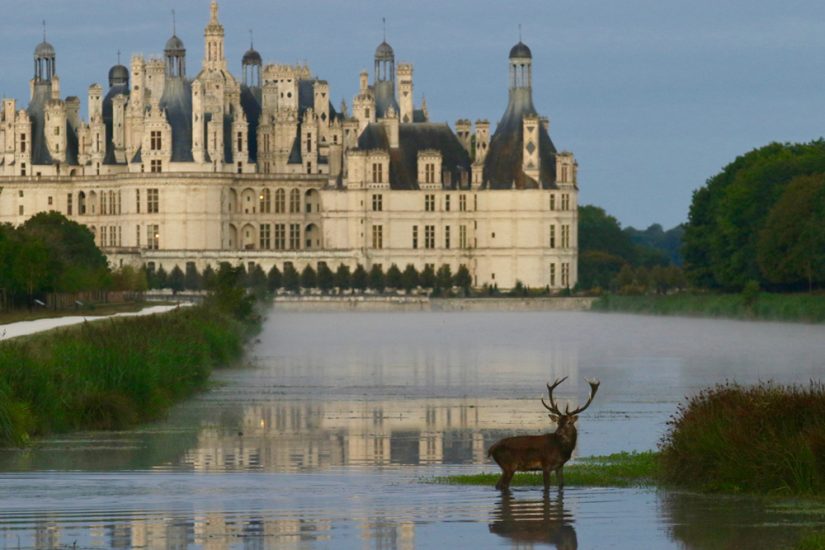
x=567 y=419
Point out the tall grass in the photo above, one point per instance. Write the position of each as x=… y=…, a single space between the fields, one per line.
x=808 y=308
x=111 y=374
x=766 y=439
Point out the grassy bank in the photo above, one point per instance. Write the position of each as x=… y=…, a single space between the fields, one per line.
x=616 y=470
x=766 y=439
x=96 y=310
x=116 y=373
x=808 y=308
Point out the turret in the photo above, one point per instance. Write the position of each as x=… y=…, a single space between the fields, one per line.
x=405 y=92
x=214 y=57
x=462 y=130
x=251 y=66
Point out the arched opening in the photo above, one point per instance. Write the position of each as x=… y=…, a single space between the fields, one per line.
x=81 y=203
x=232 y=237
x=248 y=201
x=265 y=200
x=312 y=201
x=248 y=237
x=92 y=206
x=280 y=201
x=233 y=201
x=312 y=237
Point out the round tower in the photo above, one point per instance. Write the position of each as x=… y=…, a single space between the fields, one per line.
x=521 y=62
x=384 y=63
x=251 y=67
x=45 y=61
x=175 y=53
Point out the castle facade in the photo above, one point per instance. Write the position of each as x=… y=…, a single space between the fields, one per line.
x=177 y=170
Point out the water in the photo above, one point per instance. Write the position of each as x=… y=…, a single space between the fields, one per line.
x=326 y=440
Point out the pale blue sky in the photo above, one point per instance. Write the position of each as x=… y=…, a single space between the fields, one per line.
x=653 y=96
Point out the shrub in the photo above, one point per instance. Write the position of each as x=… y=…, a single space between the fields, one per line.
x=767 y=438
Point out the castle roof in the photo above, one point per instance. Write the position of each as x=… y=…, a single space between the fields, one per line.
x=520 y=51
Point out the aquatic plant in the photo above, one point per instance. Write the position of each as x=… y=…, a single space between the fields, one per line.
x=767 y=438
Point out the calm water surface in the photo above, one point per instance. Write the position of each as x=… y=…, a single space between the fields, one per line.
x=327 y=437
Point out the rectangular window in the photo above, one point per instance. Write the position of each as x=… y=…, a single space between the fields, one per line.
x=565 y=236
x=447 y=236
x=69 y=204
x=280 y=236
x=565 y=201
x=294 y=236
x=119 y=202
x=50 y=201
x=155 y=140
x=22 y=143
x=446 y=203
x=112 y=235
x=462 y=236
x=415 y=236
x=564 y=174
x=137 y=236
x=137 y=200
x=153 y=237
x=552 y=236
x=377 y=203
x=152 y=201
x=102 y=235
x=429 y=236
x=429 y=173
x=103 y=203
x=475 y=203
x=565 y=275
x=156 y=166
x=377 y=172
x=552 y=201
x=309 y=143
x=240 y=142
x=21 y=210
x=429 y=203
x=462 y=203
x=378 y=236
x=265 y=236
x=552 y=274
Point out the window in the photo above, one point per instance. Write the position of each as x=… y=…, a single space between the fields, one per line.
x=137 y=236
x=50 y=201
x=57 y=130
x=377 y=172
x=119 y=202
x=69 y=204
x=565 y=274
x=153 y=237
x=415 y=236
x=446 y=203
x=429 y=173
x=152 y=201
x=280 y=201
x=309 y=167
x=21 y=210
x=552 y=274
x=280 y=236
x=265 y=234
x=462 y=236
x=429 y=236
x=112 y=235
x=552 y=201
x=294 y=236
x=378 y=236
x=294 y=201
x=22 y=168
x=429 y=203
x=137 y=200
x=240 y=142
x=552 y=236
x=23 y=143
x=265 y=201
x=103 y=202
x=475 y=202
x=565 y=236
x=155 y=142
x=462 y=203
x=564 y=174
x=565 y=201
x=447 y=236
x=377 y=203
x=103 y=235
x=156 y=166
x=309 y=143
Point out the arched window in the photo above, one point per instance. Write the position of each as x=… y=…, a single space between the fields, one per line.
x=81 y=203
x=280 y=201
x=295 y=201
x=265 y=199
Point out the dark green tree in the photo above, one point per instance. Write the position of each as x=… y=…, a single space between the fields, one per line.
x=192 y=279
x=360 y=278
x=256 y=279
x=377 y=281
x=427 y=277
x=291 y=278
x=343 y=278
x=274 y=281
x=208 y=277
x=394 y=279
x=326 y=278
x=444 y=278
x=409 y=278
x=463 y=279
x=160 y=278
x=176 y=279
x=309 y=279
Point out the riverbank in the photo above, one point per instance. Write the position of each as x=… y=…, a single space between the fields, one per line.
x=801 y=308
x=424 y=303
x=112 y=374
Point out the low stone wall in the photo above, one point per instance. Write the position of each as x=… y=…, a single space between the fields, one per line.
x=421 y=303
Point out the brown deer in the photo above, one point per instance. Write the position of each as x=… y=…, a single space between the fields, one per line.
x=547 y=452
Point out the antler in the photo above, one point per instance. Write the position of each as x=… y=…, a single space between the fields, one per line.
x=553 y=408
x=594 y=387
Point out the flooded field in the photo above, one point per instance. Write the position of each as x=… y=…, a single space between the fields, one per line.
x=328 y=436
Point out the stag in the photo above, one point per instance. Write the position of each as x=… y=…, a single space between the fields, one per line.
x=548 y=452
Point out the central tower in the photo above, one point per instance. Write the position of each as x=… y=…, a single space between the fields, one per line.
x=214 y=57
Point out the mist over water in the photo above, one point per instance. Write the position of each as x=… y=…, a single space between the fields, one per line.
x=326 y=437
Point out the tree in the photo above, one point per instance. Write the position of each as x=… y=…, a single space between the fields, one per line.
x=128 y=278
x=160 y=279
x=463 y=279
x=359 y=278
x=343 y=278
x=326 y=279
x=444 y=278
x=394 y=277
x=192 y=279
x=273 y=279
x=176 y=279
x=291 y=278
x=309 y=279
x=427 y=277
x=208 y=277
x=598 y=268
x=791 y=246
x=409 y=278
x=256 y=279
x=376 y=278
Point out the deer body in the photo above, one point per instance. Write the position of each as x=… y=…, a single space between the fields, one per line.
x=548 y=452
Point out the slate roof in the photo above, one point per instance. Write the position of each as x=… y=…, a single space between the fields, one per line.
x=177 y=102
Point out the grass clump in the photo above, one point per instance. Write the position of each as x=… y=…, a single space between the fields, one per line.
x=116 y=373
x=615 y=470
x=767 y=439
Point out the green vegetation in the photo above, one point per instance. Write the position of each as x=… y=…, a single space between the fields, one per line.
x=113 y=374
x=616 y=470
x=767 y=439
x=809 y=308
x=811 y=541
x=761 y=219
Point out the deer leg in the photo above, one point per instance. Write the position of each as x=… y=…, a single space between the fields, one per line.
x=546 y=475
x=504 y=483
x=560 y=476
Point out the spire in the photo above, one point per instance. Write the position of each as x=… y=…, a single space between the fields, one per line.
x=44 y=30
x=384 y=24
x=174 y=24
x=251 y=40
x=118 y=57
x=519 y=32
x=213 y=8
